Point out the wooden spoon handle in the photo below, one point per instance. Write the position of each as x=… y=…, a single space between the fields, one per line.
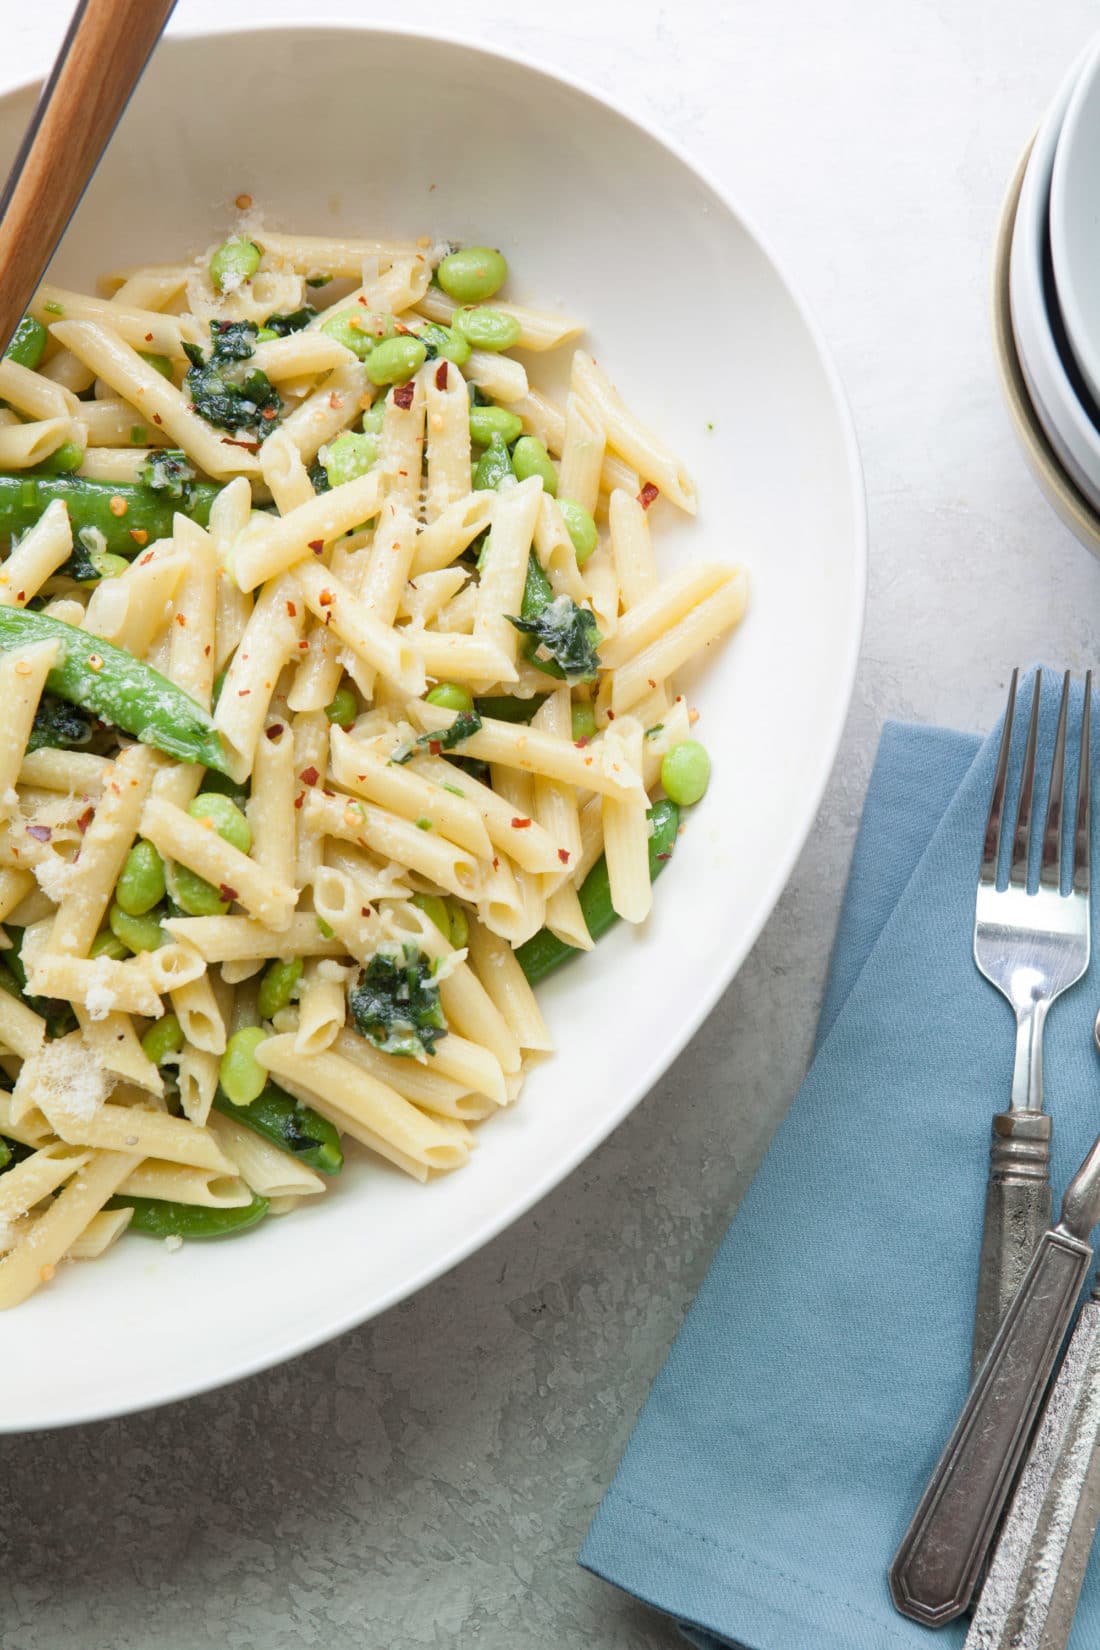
x=97 y=68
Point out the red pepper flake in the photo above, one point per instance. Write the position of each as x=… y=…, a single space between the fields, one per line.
x=269 y=413
x=519 y=824
x=249 y=446
x=327 y=793
x=181 y=620
x=292 y=610
x=362 y=300
x=41 y=833
x=95 y=662
x=85 y=820
x=309 y=776
x=299 y=799
x=496 y=863
x=435 y=747
x=139 y=535
x=118 y=505
x=664 y=856
x=303 y=646
x=206 y=650
x=365 y=911
x=148 y=337
x=563 y=855
x=648 y=494
x=274 y=730
x=441 y=376
x=145 y=560
x=325 y=599
x=157 y=419
x=316 y=545
x=581 y=742
x=20 y=595
x=334 y=401
x=611 y=716
x=403 y=395
x=242 y=693
x=228 y=894
x=651 y=682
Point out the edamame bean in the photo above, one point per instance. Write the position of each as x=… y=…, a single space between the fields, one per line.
x=395 y=360
x=451 y=695
x=193 y=894
x=488 y=329
x=685 y=772
x=344 y=708
x=63 y=460
x=375 y=417
x=584 y=720
x=277 y=986
x=240 y=1073
x=472 y=274
x=136 y=933
x=435 y=908
x=347 y=331
x=486 y=422
x=460 y=926
x=161 y=363
x=446 y=342
x=348 y=457
x=234 y=262
x=109 y=945
x=530 y=458
x=225 y=817
x=28 y=343
x=164 y=1037
x=494 y=467
x=580 y=527
x=141 y=880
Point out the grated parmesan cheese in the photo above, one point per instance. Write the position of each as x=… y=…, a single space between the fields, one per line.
x=67 y=1079
x=99 y=1000
x=54 y=876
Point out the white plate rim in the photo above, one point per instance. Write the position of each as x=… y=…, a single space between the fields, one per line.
x=846 y=665
x=1084 y=345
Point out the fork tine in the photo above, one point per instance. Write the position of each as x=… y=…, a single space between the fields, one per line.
x=1021 y=842
x=1084 y=811
x=1050 y=865
x=992 y=847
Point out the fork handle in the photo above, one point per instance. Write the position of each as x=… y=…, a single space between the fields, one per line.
x=935 y=1572
x=1017 y=1213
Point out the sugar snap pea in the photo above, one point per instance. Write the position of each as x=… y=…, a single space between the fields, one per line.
x=296 y=1129
x=28 y=342
x=543 y=952
x=147 y=514
x=159 y=1218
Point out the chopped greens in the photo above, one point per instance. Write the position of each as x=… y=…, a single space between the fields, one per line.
x=168 y=471
x=283 y=325
x=318 y=475
x=395 y=1006
x=65 y=727
x=464 y=726
x=564 y=637
x=220 y=393
x=318 y=280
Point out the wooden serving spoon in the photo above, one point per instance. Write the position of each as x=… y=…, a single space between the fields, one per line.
x=100 y=62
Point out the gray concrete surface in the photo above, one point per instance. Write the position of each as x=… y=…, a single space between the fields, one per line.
x=425 y=1481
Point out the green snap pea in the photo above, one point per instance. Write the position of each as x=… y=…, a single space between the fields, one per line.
x=23 y=498
x=435 y=908
x=530 y=458
x=375 y=417
x=344 y=708
x=161 y=363
x=264 y=335
x=460 y=925
x=584 y=720
x=358 y=330
x=486 y=422
x=141 y=880
x=234 y=262
x=506 y=707
x=136 y=933
x=493 y=467
x=193 y=894
x=451 y=695
x=580 y=527
x=472 y=274
x=446 y=342
x=277 y=986
x=489 y=329
x=28 y=343
x=107 y=944
x=5 y=1153
x=685 y=772
x=156 y=1217
x=63 y=460
x=225 y=816
x=543 y=952
x=240 y=1074
x=164 y=1037
x=348 y=457
x=295 y=1128
x=395 y=360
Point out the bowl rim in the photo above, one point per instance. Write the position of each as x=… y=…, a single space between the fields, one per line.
x=584 y=1143
x=1083 y=342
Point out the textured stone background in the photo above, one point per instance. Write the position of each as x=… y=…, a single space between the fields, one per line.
x=425 y=1481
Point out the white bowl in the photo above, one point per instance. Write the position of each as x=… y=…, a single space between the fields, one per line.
x=704 y=336
x=1053 y=385
x=1075 y=223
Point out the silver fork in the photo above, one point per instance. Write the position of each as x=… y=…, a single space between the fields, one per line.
x=1032 y=947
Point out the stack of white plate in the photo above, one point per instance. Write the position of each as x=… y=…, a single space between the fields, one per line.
x=1047 y=300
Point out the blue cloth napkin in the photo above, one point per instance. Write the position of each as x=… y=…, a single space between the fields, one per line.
x=786 y=1442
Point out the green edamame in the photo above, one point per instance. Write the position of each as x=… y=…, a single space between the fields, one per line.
x=584 y=720
x=234 y=262
x=295 y=1128
x=107 y=944
x=193 y=894
x=28 y=343
x=63 y=460
x=136 y=933
x=359 y=330
x=164 y=1037
x=395 y=360
x=460 y=925
x=240 y=1074
x=348 y=457
x=472 y=274
x=543 y=952
x=489 y=329
x=435 y=908
x=493 y=467
x=580 y=527
x=451 y=695
x=685 y=772
x=530 y=458
x=277 y=986
x=375 y=417
x=486 y=422
x=141 y=880
x=446 y=342
x=225 y=817
x=344 y=708
x=157 y=1217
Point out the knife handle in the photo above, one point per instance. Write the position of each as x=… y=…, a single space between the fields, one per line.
x=1017 y=1213
x=936 y=1569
